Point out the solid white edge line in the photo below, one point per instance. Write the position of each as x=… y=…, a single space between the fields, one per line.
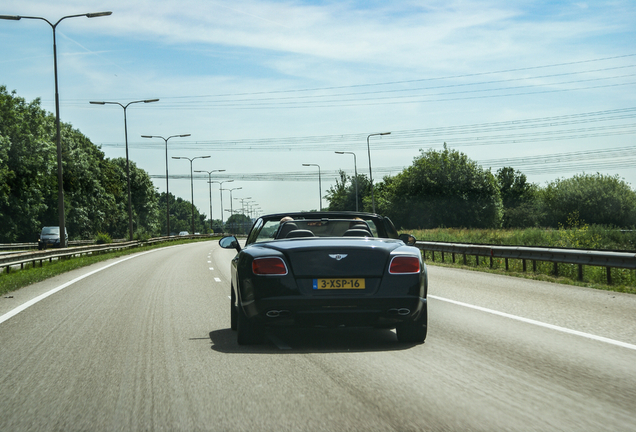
x=33 y=301
x=539 y=323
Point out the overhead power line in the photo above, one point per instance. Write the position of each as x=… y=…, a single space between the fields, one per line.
x=464 y=87
x=556 y=163
x=554 y=128
x=428 y=79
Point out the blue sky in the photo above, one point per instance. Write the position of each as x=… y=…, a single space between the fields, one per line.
x=265 y=86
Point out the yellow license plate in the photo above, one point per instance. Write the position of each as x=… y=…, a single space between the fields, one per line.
x=345 y=283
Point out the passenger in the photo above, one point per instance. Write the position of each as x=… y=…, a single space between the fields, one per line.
x=285 y=227
x=358 y=228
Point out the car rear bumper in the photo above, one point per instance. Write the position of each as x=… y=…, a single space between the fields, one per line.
x=333 y=312
x=48 y=243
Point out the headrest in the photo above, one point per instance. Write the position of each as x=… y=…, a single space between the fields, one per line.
x=353 y=232
x=285 y=229
x=300 y=233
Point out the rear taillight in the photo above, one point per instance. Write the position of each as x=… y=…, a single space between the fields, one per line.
x=269 y=266
x=404 y=265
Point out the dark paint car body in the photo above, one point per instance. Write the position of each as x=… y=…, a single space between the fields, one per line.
x=50 y=236
x=331 y=269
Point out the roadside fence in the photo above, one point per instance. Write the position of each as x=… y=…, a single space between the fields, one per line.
x=607 y=259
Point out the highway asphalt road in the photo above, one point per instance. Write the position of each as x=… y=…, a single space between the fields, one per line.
x=143 y=343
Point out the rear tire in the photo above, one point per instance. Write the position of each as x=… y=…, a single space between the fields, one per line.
x=248 y=333
x=233 y=312
x=413 y=332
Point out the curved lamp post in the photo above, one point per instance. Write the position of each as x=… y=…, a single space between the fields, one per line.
x=370 y=173
x=221 y=192
x=319 y=183
x=251 y=205
x=191 y=181
x=231 y=210
x=210 y=188
x=167 y=194
x=355 y=167
x=58 y=138
x=230 y=190
x=242 y=200
x=130 y=223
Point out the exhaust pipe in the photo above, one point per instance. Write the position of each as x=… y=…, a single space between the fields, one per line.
x=400 y=311
x=278 y=313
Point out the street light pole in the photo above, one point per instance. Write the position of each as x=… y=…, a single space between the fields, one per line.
x=319 y=183
x=130 y=223
x=58 y=135
x=221 y=192
x=210 y=189
x=370 y=172
x=191 y=181
x=242 y=200
x=250 y=205
x=355 y=167
x=231 y=206
x=167 y=192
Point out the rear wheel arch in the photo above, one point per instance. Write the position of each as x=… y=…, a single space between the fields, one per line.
x=233 y=310
x=415 y=331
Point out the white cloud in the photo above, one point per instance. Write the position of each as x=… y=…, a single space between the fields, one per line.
x=192 y=48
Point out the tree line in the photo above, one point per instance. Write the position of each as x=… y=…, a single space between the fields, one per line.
x=440 y=189
x=446 y=189
x=95 y=187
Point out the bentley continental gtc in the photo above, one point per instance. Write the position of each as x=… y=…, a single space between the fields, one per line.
x=329 y=269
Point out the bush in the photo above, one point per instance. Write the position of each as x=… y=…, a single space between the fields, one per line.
x=103 y=238
x=141 y=235
x=595 y=199
x=442 y=188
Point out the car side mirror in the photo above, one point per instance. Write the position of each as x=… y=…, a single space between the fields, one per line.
x=230 y=242
x=408 y=239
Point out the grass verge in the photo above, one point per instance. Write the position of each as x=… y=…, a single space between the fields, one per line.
x=568 y=274
x=17 y=279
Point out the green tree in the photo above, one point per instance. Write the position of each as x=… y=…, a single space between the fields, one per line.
x=521 y=205
x=596 y=199
x=28 y=192
x=342 y=196
x=441 y=188
x=88 y=204
x=143 y=199
x=180 y=216
x=94 y=187
x=238 y=224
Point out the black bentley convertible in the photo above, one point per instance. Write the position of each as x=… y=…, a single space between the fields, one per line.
x=327 y=269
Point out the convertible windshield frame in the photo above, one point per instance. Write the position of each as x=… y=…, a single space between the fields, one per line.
x=325 y=224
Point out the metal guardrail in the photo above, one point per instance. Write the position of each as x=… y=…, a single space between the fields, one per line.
x=34 y=245
x=609 y=260
x=579 y=257
x=23 y=258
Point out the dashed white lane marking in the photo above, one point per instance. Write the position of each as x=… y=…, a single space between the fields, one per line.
x=540 y=324
x=211 y=268
x=217 y=280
